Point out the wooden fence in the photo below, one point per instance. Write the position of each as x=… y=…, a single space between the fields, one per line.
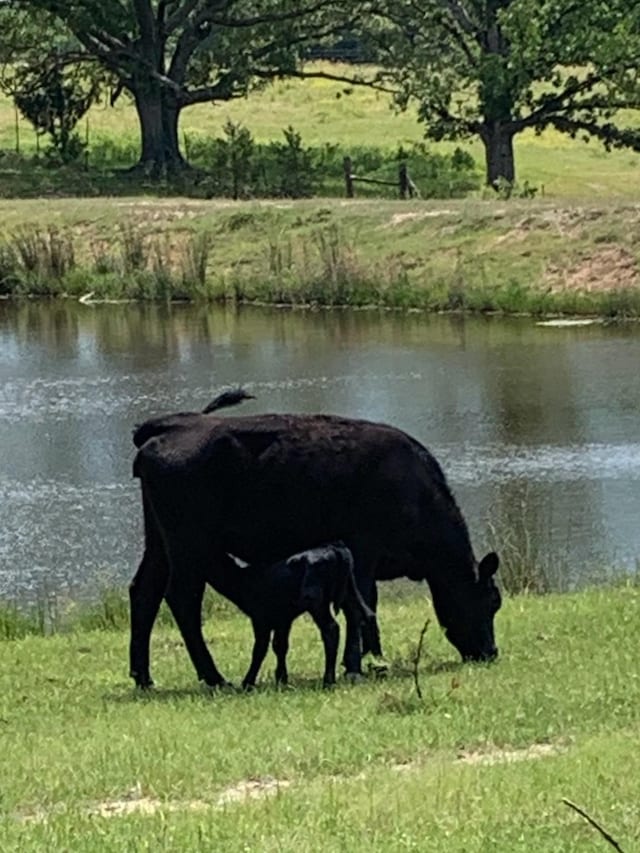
x=406 y=187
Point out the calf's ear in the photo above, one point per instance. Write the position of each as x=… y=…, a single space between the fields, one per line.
x=488 y=566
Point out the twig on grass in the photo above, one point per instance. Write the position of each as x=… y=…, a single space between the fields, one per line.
x=416 y=659
x=593 y=823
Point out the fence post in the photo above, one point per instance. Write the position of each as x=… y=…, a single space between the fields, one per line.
x=403 y=180
x=348 y=177
x=17 y=123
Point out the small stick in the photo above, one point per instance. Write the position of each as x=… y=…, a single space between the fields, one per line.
x=593 y=823
x=416 y=659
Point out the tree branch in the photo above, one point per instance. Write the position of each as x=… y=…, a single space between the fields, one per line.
x=416 y=659
x=603 y=832
x=550 y=103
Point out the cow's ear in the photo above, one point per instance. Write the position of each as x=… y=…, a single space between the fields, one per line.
x=488 y=566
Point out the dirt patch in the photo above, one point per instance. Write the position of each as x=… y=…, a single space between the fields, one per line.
x=251 y=789
x=491 y=756
x=510 y=756
x=135 y=802
x=400 y=218
x=607 y=269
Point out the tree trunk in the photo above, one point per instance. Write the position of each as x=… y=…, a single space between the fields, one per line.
x=499 y=159
x=158 y=114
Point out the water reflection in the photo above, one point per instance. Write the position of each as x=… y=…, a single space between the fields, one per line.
x=536 y=428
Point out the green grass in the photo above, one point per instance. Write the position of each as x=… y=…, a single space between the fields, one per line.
x=574 y=249
x=360 y=767
x=520 y=256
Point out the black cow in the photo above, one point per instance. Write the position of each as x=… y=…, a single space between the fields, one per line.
x=267 y=486
x=274 y=595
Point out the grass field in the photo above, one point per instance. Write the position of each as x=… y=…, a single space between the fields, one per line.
x=530 y=256
x=327 y=112
x=481 y=763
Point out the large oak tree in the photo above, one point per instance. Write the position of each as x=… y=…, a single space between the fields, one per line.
x=171 y=54
x=493 y=68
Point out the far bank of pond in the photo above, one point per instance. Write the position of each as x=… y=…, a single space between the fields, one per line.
x=512 y=257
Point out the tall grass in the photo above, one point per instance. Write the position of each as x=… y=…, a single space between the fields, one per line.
x=404 y=255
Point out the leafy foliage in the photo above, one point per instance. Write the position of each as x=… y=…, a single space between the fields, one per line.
x=171 y=54
x=493 y=68
x=54 y=100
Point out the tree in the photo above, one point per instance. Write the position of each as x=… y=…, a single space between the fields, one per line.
x=54 y=99
x=493 y=68
x=171 y=54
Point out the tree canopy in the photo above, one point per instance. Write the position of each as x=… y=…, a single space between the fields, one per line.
x=170 y=54
x=475 y=68
x=493 y=68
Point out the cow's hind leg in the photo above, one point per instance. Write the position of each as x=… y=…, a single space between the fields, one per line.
x=361 y=638
x=370 y=630
x=352 y=659
x=261 y=637
x=145 y=594
x=280 y=649
x=184 y=596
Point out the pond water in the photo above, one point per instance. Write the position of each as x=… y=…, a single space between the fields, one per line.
x=536 y=428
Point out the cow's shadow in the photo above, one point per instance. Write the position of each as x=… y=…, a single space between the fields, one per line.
x=397 y=671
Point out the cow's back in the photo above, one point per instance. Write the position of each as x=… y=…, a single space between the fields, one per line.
x=269 y=485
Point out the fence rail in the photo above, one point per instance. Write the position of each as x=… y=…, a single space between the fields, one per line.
x=406 y=187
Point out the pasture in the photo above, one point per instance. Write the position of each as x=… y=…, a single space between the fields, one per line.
x=480 y=763
x=326 y=113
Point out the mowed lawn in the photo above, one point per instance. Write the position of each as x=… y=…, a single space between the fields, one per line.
x=480 y=763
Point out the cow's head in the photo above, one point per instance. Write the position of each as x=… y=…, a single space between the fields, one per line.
x=469 y=627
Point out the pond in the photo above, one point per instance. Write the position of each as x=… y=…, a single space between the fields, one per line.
x=535 y=427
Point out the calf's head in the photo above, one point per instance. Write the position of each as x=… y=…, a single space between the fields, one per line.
x=469 y=625
x=325 y=576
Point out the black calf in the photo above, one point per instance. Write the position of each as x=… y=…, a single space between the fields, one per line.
x=274 y=595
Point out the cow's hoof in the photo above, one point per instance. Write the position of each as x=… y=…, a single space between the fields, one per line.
x=223 y=686
x=353 y=677
x=328 y=685
x=376 y=666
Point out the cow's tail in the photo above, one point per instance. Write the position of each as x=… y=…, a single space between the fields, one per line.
x=348 y=588
x=366 y=613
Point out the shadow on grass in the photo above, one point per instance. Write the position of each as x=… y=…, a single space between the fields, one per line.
x=397 y=672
